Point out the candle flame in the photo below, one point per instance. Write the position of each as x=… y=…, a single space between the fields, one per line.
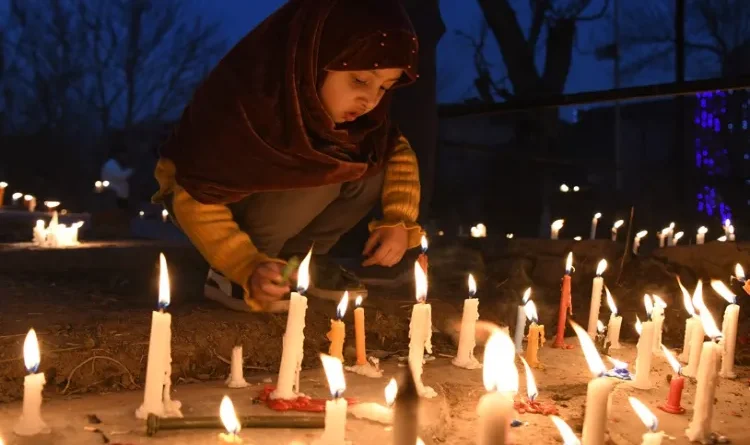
x=526 y=296
x=165 y=213
x=678 y=236
x=16 y=196
x=98 y=184
x=420 y=281
x=28 y=197
x=391 y=390
x=424 y=243
x=665 y=231
x=649 y=304
x=358 y=301
x=658 y=302
x=3 y=185
x=31 y=356
x=601 y=268
x=576 y=188
x=577 y=238
x=610 y=301
x=702 y=230
x=531 y=390
x=566 y=432
x=698 y=303
x=739 y=272
x=558 y=224
x=638 y=325
x=617 y=224
x=51 y=204
x=599 y=326
x=647 y=417
x=229 y=416
x=303 y=273
x=671 y=226
x=530 y=309
x=419 y=441
x=676 y=367
x=686 y=298
x=499 y=373
x=343 y=304
x=596 y=365
x=105 y=183
x=707 y=320
x=641 y=234
x=334 y=370
x=509 y=235
x=722 y=238
x=724 y=291
x=564 y=188
x=569 y=263
x=39 y=225
x=727 y=222
x=472 y=285
x=597 y=215
x=164 y=297
x=618 y=364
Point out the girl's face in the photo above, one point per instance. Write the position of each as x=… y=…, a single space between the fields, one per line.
x=347 y=95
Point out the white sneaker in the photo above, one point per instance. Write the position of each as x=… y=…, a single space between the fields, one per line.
x=220 y=289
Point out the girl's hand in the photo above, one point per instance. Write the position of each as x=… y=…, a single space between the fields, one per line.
x=264 y=283
x=386 y=246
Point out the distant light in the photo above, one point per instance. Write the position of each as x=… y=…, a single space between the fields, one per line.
x=564 y=188
x=576 y=189
x=509 y=235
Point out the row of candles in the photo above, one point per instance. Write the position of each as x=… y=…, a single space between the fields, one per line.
x=30 y=202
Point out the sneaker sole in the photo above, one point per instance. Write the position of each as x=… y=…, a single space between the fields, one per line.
x=235 y=304
x=335 y=295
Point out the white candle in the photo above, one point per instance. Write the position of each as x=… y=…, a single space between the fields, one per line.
x=518 y=334
x=335 y=418
x=596 y=298
x=670 y=235
x=728 y=329
x=420 y=332
x=597 y=393
x=643 y=359
x=663 y=236
x=727 y=224
x=594 y=223
x=699 y=428
x=495 y=409
x=730 y=233
x=652 y=437
x=40 y=233
x=164 y=215
x=616 y=226
x=467 y=336
x=555 y=228
x=158 y=365
x=31 y=422
x=236 y=376
x=615 y=322
x=677 y=237
x=376 y=412
x=657 y=316
x=637 y=240
x=700 y=238
x=696 y=335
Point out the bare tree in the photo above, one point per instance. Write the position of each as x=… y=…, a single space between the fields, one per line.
x=487 y=87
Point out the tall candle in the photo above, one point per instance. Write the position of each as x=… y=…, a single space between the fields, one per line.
x=31 y=422
x=643 y=359
x=287 y=386
x=495 y=408
x=616 y=226
x=236 y=377
x=420 y=332
x=594 y=223
x=158 y=364
x=699 y=428
x=555 y=228
x=535 y=338
x=696 y=334
x=597 y=392
x=467 y=336
x=728 y=329
x=518 y=334
x=689 y=323
x=657 y=316
x=335 y=417
x=337 y=334
x=566 y=305
x=596 y=298
x=700 y=237
x=615 y=322
x=652 y=437
x=676 y=385
x=637 y=241
x=359 y=332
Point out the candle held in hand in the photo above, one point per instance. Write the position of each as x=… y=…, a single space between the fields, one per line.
x=728 y=329
x=31 y=423
x=521 y=321
x=596 y=298
x=467 y=336
x=337 y=334
x=676 y=385
x=652 y=437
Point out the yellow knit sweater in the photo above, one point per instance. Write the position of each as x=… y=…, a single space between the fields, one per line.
x=228 y=249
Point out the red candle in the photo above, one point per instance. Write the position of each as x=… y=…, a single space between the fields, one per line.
x=674 y=398
x=566 y=306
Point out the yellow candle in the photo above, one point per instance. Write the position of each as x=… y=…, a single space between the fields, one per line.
x=535 y=339
x=359 y=332
x=338 y=330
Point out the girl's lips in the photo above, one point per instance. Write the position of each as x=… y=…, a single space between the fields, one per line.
x=350 y=116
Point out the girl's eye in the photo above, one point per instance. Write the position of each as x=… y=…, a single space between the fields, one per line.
x=359 y=81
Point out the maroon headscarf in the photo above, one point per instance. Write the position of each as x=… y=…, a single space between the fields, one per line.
x=257 y=123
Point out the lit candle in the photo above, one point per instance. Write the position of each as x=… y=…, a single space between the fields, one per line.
x=663 y=236
x=287 y=386
x=359 y=332
x=230 y=421
x=420 y=332
x=500 y=377
x=15 y=197
x=158 y=366
x=594 y=223
x=637 y=240
x=696 y=334
x=577 y=238
x=31 y=422
x=164 y=215
x=730 y=233
x=670 y=234
x=689 y=323
x=649 y=419
x=597 y=393
x=51 y=205
x=535 y=340
x=406 y=411
x=236 y=377
x=335 y=422
x=98 y=186
x=677 y=237
x=532 y=392
x=566 y=305
x=376 y=412
x=555 y=228
x=722 y=239
x=596 y=298
x=30 y=202
x=3 y=186
x=566 y=432
x=615 y=322
x=699 y=428
x=40 y=233
x=700 y=238
x=728 y=329
x=657 y=316
x=644 y=348
x=467 y=336
x=739 y=275
x=521 y=321
x=337 y=334
x=727 y=225
x=676 y=385
x=616 y=226
x=482 y=230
